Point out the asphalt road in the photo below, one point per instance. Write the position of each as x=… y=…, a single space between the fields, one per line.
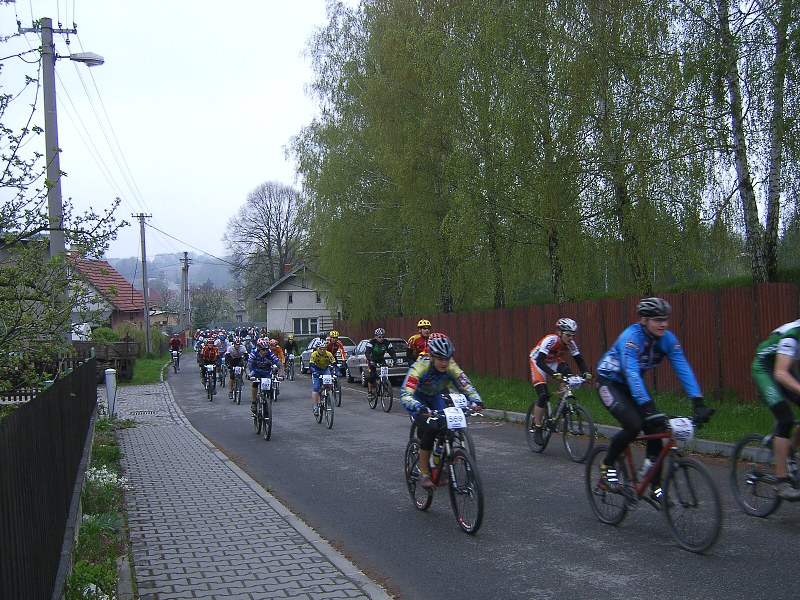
x=539 y=538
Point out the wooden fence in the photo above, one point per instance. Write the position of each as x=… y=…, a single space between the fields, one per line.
x=718 y=329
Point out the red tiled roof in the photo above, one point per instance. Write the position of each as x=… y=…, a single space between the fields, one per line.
x=113 y=286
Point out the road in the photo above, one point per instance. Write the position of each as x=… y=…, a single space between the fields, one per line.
x=539 y=538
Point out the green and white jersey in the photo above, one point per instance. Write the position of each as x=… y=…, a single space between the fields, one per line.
x=784 y=340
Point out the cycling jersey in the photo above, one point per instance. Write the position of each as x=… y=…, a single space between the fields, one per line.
x=635 y=352
x=290 y=347
x=549 y=353
x=337 y=346
x=424 y=385
x=375 y=351
x=784 y=340
x=417 y=345
x=260 y=365
x=278 y=351
x=320 y=361
x=175 y=344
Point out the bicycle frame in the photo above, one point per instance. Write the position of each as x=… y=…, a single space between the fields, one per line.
x=639 y=487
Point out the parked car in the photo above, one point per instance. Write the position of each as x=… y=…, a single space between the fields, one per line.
x=357 y=361
x=305 y=355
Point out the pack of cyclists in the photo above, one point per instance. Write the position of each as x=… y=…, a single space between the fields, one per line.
x=639 y=348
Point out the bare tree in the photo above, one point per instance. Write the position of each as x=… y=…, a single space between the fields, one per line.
x=265 y=235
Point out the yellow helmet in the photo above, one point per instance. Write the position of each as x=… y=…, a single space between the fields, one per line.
x=423 y=323
x=334 y=333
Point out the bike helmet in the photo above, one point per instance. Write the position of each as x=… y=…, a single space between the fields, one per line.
x=318 y=343
x=653 y=307
x=380 y=332
x=423 y=323
x=291 y=336
x=439 y=345
x=262 y=343
x=567 y=325
x=273 y=342
x=334 y=333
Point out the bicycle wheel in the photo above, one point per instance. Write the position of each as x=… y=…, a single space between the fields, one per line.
x=237 y=393
x=609 y=507
x=420 y=496
x=209 y=395
x=466 y=491
x=752 y=476
x=267 y=419
x=579 y=433
x=529 y=428
x=373 y=399
x=692 y=505
x=320 y=407
x=386 y=397
x=174 y=366
x=329 y=409
x=337 y=393
x=464 y=438
x=291 y=371
x=258 y=420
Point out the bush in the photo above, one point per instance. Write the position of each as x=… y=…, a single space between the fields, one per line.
x=105 y=334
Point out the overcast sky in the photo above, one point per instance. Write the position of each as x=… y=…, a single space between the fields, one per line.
x=197 y=102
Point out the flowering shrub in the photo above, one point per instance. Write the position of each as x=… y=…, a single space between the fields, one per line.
x=104 y=490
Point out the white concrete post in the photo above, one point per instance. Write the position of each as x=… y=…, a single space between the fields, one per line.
x=111 y=392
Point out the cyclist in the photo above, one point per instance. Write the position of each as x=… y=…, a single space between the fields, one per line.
x=209 y=356
x=422 y=391
x=374 y=352
x=321 y=363
x=175 y=344
x=639 y=348
x=290 y=347
x=234 y=357
x=335 y=346
x=775 y=375
x=260 y=364
x=418 y=343
x=548 y=358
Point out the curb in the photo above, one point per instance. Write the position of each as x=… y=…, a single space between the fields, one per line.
x=699 y=445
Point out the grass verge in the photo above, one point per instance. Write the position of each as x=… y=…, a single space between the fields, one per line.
x=103 y=536
x=732 y=420
x=147 y=370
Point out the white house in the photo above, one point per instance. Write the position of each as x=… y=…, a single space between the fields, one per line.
x=296 y=303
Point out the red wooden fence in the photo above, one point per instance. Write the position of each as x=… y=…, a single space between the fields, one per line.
x=718 y=329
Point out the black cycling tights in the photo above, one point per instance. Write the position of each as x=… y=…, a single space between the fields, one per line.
x=426 y=431
x=619 y=402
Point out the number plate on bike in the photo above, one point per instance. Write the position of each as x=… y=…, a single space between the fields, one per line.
x=209 y=368
x=455 y=418
x=459 y=400
x=327 y=380
x=237 y=370
x=682 y=430
x=266 y=383
x=384 y=371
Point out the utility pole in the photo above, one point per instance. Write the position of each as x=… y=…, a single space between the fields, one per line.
x=185 y=320
x=141 y=218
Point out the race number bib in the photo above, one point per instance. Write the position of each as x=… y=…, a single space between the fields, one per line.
x=682 y=430
x=459 y=400
x=455 y=418
x=327 y=379
x=266 y=383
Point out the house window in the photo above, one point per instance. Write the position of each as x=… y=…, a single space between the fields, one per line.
x=305 y=326
x=290 y=297
x=238 y=318
x=319 y=298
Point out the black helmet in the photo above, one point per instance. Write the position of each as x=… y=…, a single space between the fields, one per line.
x=653 y=307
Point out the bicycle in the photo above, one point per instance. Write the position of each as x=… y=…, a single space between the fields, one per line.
x=276 y=385
x=223 y=373
x=570 y=418
x=210 y=381
x=460 y=471
x=262 y=418
x=176 y=360
x=382 y=391
x=752 y=475
x=237 y=383
x=690 y=500
x=464 y=436
x=337 y=389
x=326 y=403
x=290 y=367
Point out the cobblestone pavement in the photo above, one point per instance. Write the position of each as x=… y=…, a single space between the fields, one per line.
x=200 y=527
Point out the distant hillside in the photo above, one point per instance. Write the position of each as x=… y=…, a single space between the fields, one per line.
x=167 y=267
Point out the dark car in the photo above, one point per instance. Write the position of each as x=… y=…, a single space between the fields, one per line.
x=305 y=355
x=357 y=361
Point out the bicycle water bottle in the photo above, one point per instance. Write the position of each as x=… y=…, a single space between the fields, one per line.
x=646 y=466
x=437 y=455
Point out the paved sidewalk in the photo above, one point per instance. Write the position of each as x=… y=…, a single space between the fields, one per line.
x=200 y=527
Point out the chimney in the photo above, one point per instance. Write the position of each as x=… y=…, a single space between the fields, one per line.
x=286 y=268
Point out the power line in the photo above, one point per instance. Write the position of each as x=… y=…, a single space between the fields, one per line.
x=192 y=247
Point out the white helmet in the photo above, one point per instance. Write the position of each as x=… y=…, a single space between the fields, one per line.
x=567 y=325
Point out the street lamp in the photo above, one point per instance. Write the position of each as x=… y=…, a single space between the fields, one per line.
x=54 y=206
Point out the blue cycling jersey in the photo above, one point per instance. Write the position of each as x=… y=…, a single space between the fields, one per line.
x=261 y=365
x=635 y=352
